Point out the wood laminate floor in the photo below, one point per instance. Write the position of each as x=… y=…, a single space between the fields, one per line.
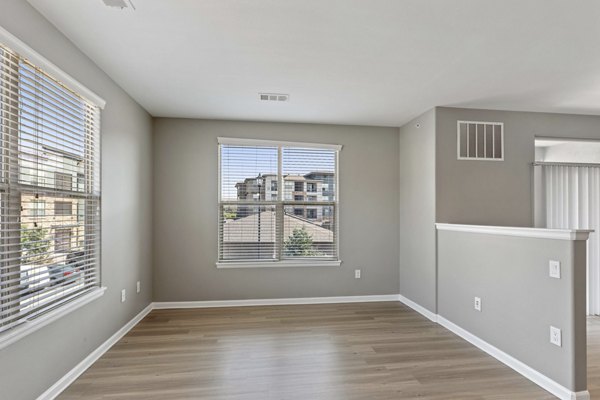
x=366 y=351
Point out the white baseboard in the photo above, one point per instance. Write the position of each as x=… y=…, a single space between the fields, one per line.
x=418 y=308
x=536 y=377
x=583 y=395
x=87 y=362
x=273 y=302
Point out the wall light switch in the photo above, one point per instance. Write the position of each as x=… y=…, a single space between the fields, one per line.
x=555 y=336
x=477 y=303
x=123 y=295
x=357 y=273
x=554 y=269
x=138 y=286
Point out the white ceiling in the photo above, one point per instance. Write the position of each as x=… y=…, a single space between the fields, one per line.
x=375 y=62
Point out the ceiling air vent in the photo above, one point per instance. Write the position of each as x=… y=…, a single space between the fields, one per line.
x=274 y=97
x=119 y=3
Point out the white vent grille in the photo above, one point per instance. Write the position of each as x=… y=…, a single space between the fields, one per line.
x=274 y=97
x=116 y=3
x=477 y=140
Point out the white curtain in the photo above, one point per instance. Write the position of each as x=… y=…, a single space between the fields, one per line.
x=570 y=196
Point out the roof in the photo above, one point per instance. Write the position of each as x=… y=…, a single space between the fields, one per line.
x=294 y=178
x=319 y=173
x=244 y=230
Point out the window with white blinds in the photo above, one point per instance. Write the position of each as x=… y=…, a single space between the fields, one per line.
x=49 y=192
x=278 y=202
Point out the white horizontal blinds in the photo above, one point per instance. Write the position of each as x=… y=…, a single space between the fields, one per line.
x=247 y=213
x=277 y=202
x=50 y=192
x=480 y=140
x=309 y=203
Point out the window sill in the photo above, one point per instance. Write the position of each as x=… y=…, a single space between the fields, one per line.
x=279 y=264
x=12 y=335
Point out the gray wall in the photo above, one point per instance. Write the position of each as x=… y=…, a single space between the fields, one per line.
x=519 y=300
x=492 y=192
x=29 y=366
x=417 y=211
x=185 y=214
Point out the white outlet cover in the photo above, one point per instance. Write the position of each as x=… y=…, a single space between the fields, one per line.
x=138 y=286
x=554 y=267
x=477 y=303
x=357 y=273
x=555 y=336
x=123 y=295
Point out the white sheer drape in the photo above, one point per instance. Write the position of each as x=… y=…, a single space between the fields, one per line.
x=570 y=196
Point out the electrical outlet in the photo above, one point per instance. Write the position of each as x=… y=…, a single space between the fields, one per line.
x=477 y=303
x=555 y=336
x=123 y=295
x=357 y=273
x=554 y=269
x=138 y=287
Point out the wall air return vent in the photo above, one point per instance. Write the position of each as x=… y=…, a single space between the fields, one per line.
x=477 y=140
x=274 y=97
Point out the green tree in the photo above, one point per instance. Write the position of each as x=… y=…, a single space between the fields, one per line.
x=229 y=213
x=34 y=244
x=299 y=244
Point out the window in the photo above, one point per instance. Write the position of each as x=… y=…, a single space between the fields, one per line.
x=311 y=187
x=480 y=140
x=80 y=211
x=63 y=181
x=63 y=208
x=38 y=208
x=288 y=228
x=50 y=161
x=274 y=186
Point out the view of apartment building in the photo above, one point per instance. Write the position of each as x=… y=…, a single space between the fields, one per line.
x=311 y=187
x=52 y=220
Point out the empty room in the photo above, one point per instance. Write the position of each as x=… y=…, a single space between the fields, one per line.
x=299 y=200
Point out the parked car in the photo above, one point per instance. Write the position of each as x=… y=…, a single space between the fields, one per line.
x=33 y=279
x=68 y=272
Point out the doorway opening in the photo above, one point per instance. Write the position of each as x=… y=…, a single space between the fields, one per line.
x=567 y=196
x=566 y=184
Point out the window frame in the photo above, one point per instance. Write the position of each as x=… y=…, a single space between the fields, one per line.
x=280 y=203
x=22 y=50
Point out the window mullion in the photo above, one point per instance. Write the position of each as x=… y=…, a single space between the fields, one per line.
x=279 y=210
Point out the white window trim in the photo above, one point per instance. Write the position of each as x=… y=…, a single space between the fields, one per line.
x=19 y=47
x=17 y=333
x=260 y=142
x=282 y=263
x=279 y=264
x=14 y=334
